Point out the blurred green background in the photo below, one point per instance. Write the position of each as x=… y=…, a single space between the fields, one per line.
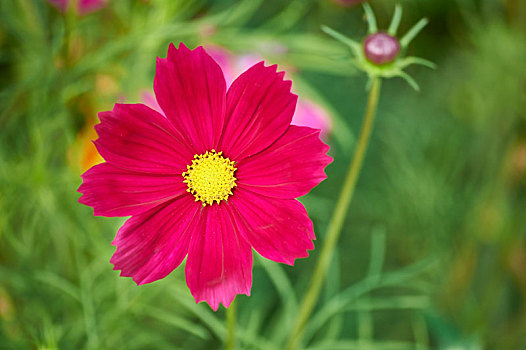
x=433 y=252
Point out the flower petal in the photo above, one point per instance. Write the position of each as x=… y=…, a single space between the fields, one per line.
x=289 y=168
x=191 y=90
x=154 y=243
x=219 y=263
x=112 y=191
x=278 y=229
x=87 y=6
x=259 y=110
x=137 y=138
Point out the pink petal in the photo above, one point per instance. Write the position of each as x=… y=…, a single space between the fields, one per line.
x=112 y=191
x=219 y=263
x=154 y=243
x=190 y=89
x=259 y=110
x=84 y=6
x=278 y=229
x=289 y=168
x=87 y=6
x=137 y=138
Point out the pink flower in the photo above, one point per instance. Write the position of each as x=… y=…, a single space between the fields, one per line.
x=83 y=6
x=212 y=179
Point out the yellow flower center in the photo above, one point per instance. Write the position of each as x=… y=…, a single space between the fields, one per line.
x=210 y=177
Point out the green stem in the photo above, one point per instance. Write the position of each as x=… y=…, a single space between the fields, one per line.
x=337 y=220
x=230 y=343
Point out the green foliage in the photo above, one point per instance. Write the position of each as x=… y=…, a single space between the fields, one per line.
x=433 y=252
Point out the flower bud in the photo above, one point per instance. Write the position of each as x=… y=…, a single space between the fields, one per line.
x=380 y=48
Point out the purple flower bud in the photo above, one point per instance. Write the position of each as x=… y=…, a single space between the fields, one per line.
x=380 y=48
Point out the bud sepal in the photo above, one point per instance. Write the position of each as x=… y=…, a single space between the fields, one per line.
x=380 y=55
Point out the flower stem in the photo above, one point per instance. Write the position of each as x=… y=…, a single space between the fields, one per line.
x=230 y=343
x=337 y=220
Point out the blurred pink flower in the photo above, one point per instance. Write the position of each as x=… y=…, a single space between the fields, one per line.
x=211 y=179
x=83 y=6
x=148 y=98
x=312 y=115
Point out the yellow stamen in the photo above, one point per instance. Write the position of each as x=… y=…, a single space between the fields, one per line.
x=210 y=177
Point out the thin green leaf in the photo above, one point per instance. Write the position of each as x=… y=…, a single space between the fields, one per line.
x=288 y=16
x=395 y=22
x=377 y=251
x=360 y=345
x=413 y=32
x=387 y=303
x=416 y=60
x=371 y=19
x=338 y=303
x=286 y=292
x=409 y=80
x=355 y=46
x=172 y=319
x=58 y=282
x=200 y=311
